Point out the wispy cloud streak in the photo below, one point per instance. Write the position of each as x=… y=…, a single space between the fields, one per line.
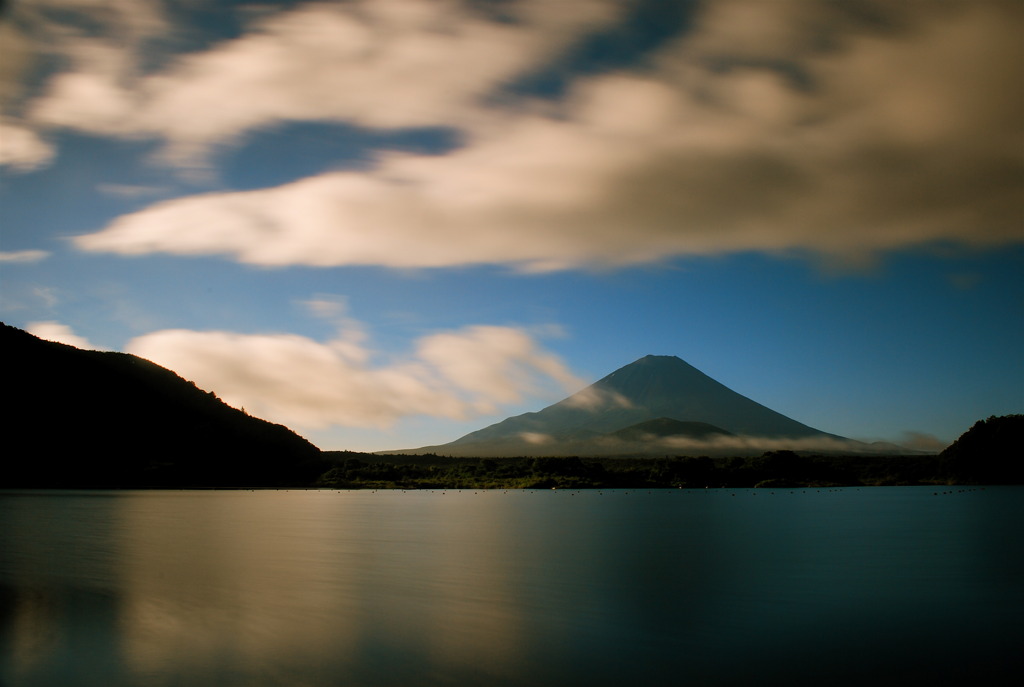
x=23 y=255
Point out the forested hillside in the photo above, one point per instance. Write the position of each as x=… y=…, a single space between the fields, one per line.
x=92 y=418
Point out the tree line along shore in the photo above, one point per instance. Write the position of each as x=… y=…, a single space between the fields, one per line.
x=988 y=453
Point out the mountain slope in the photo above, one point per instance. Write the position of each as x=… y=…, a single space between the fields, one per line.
x=650 y=388
x=91 y=418
x=667 y=427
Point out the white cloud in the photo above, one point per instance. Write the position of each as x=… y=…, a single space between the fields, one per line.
x=23 y=255
x=537 y=438
x=21 y=149
x=304 y=383
x=903 y=128
x=903 y=137
x=61 y=333
x=101 y=44
x=493 y=364
x=375 y=63
x=327 y=307
x=594 y=398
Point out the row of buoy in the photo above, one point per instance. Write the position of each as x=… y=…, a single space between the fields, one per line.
x=627 y=492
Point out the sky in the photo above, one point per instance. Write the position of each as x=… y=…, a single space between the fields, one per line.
x=388 y=223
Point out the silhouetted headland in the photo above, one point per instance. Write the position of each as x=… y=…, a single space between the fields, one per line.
x=100 y=419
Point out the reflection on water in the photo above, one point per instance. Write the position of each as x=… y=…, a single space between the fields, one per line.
x=886 y=585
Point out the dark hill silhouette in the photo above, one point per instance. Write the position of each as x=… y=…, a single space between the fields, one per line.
x=989 y=452
x=81 y=418
x=647 y=389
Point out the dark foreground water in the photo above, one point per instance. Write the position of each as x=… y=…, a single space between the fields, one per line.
x=880 y=586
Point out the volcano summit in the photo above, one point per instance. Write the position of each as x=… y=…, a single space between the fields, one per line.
x=654 y=405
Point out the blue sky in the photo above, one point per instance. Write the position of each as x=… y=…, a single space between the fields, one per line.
x=387 y=223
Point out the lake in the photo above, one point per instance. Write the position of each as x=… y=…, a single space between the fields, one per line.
x=880 y=586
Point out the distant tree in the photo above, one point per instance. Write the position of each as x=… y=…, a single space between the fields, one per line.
x=696 y=471
x=569 y=467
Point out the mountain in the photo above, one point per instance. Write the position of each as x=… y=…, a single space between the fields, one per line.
x=663 y=427
x=79 y=418
x=653 y=388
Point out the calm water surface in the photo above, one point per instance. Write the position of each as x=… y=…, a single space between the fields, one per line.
x=338 y=588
